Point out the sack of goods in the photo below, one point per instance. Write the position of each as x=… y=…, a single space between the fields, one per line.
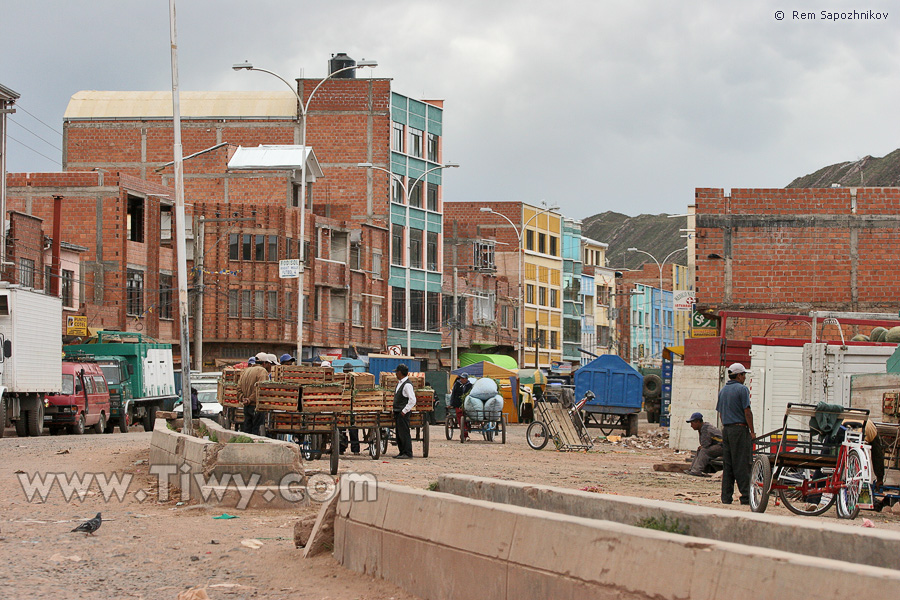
x=493 y=408
x=484 y=389
x=474 y=407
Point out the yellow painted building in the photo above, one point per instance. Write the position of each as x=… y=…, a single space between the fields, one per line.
x=543 y=266
x=681 y=280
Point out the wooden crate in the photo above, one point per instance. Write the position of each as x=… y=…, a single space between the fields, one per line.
x=231 y=375
x=227 y=393
x=301 y=374
x=277 y=395
x=389 y=380
x=287 y=422
x=329 y=397
x=424 y=400
x=362 y=381
x=368 y=400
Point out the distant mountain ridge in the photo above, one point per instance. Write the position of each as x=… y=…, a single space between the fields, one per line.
x=657 y=234
x=865 y=172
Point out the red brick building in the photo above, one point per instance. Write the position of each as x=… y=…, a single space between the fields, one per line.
x=796 y=250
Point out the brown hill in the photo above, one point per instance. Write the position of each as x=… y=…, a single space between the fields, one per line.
x=657 y=234
x=866 y=172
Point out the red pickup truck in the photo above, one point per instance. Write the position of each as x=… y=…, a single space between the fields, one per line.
x=83 y=401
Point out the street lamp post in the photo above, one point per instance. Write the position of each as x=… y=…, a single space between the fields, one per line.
x=660 y=265
x=303 y=110
x=519 y=234
x=407 y=190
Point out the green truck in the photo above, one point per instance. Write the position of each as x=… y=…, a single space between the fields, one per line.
x=139 y=373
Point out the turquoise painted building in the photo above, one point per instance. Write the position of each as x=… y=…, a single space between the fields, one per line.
x=416 y=218
x=573 y=303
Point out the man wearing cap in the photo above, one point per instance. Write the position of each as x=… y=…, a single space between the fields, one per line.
x=737 y=434
x=710 y=445
x=404 y=402
x=287 y=359
x=461 y=388
x=248 y=391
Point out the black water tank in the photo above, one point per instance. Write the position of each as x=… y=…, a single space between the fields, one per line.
x=342 y=61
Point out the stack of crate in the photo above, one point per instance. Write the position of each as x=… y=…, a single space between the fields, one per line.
x=361 y=381
x=389 y=380
x=325 y=397
x=368 y=400
x=424 y=400
x=227 y=393
x=278 y=395
x=302 y=374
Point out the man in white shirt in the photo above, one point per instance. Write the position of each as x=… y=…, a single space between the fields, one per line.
x=404 y=402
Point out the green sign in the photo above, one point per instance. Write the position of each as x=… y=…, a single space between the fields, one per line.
x=701 y=321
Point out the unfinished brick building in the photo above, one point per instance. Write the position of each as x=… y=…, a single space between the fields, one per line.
x=796 y=250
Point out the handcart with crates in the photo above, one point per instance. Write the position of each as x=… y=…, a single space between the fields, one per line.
x=808 y=471
x=313 y=406
x=560 y=421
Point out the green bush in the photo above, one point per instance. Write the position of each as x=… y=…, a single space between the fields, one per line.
x=663 y=524
x=240 y=439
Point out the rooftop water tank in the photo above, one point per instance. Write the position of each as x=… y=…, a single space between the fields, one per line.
x=342 y=61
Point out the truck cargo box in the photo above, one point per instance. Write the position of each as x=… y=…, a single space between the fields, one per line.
x=32 y=324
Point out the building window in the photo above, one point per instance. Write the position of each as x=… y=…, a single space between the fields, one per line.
x=234 y=303
x=484 y=256
x=307 y=315
x=134 y=293
x=431 y=251
x=434 y=311
x=529 y=240
x=233 y=246
x=26 y=272
x=246 y=304
x=247 y=247
x=355 y=257
x=529 y=293
x=67 y=288
x=273 y=248
x=554 y=297
x=259 y=304
x=432 y=198
x=483 y=309
x=415 y=142
x=542 y=296
x=415 y=194
x=432 y=147
x=417 y=309
x=415 y=248
x=397 y=191
x=504 y=316
x=357 y=313
x=260 y=248
x=135 y=219
x=376 y=316
x=272 y=305
x=554 y=340
x=397 y=137
x=298 y=191
x=554 y=243
x=376 y=265
x=542 y=243
x=337 y=307
x=398 y=308
x=340 y=242
x=165 y=296
x=396 y=244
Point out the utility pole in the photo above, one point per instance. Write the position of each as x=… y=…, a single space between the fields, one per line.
x=454 y=330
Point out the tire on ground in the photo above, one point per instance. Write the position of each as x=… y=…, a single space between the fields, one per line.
x=652 y=386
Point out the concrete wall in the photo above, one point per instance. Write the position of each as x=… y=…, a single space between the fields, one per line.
x=867 y=391
x=238 y=475
x=439 y=546
x=694 y=389
x=877 y=548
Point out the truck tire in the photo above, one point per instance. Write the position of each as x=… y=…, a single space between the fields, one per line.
x=631 y=424
x=78 y=427
x=149 y=418
x=36 y=419
x=100 y=425
x=110 y=427
x=652 y=386
x=21 y=426
x=123 y=421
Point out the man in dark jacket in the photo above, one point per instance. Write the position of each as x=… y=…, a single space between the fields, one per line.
x=404 y=402
x=710 y=445
x=461 y=388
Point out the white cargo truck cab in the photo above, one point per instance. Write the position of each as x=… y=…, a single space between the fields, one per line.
x=31 y=357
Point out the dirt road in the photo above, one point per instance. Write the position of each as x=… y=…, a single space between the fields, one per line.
x=155 y=549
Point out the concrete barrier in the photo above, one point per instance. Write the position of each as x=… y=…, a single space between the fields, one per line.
x=266 y=473
x=873 y=547
x=442 y=546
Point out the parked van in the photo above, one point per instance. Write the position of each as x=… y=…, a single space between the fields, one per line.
x=83 y=401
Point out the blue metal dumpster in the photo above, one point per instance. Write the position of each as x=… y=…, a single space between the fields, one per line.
x=618 y=394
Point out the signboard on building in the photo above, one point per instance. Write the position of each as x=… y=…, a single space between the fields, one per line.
x=395 y=350
x=76 y=325
x=704 y=325
x=289 y=268
x=683 y=300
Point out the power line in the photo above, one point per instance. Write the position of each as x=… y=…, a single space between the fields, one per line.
x=20 y=107
x=55 y=161
x=49 y=143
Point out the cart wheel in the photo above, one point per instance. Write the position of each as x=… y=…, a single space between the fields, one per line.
x=488 y=431
x=449 y=426
x=760 y=483
x=852 y=486
x=426 y=439
x=503 y=429
x=335 y=450
x=536 y=435
x=809 y=505
x=375 y=445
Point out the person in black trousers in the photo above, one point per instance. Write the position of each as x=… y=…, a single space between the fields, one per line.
x=404 y=402
x=737 y=434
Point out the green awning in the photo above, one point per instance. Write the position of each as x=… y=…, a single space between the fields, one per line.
x=501 y=360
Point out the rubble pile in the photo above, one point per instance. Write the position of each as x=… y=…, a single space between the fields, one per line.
x=654 y=438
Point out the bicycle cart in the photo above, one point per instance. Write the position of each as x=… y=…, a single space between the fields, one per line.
x=488 y=423
x=561 y=423
x=810 y=475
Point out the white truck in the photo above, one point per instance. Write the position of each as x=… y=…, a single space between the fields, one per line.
x=31 y=358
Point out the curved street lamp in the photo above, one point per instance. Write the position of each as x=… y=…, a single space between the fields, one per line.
x=519 y=233
x=302 y=111
x=660 y=265
x=407 y=190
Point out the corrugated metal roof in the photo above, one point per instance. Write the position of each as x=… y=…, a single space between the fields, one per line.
x=133 y=105
x=275 y=157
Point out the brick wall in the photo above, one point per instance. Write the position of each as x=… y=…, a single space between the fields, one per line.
x=25 y=242
x=795 y=250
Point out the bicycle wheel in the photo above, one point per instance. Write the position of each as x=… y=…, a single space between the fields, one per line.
x=852 y=485
x=760 y=483
x=537 y=435
x=449 y=426
x=810 y=504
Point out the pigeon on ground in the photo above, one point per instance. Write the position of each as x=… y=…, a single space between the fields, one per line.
x=89 y=527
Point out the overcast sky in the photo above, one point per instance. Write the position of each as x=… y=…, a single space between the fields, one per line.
x=595 y=105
